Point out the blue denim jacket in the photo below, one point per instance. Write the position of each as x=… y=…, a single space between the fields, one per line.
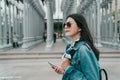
x=83 y=63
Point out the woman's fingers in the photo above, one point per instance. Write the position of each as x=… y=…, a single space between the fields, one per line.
x=58 y=70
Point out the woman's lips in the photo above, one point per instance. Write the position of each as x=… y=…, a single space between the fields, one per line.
x=67 y=30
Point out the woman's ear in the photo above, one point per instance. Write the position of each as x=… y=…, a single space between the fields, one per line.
x=79 y=29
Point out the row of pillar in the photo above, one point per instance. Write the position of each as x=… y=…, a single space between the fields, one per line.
x=10 y=21
x=105 y=31
x=27 y=20
x=109 y=24
x=102 y=25
x=33 y=24
x=91 y=10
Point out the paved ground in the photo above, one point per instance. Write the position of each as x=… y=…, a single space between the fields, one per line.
x=27 y=70
x=59 y=46
x=38 y=69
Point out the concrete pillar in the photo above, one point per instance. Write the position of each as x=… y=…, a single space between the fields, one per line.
x=26 y=24
x=13 y=18
x=49 y=24
x=0 y=27
x=110 y=27
x=10 y=33
x=95 y=21
x=33 y=23
x=73 y=7
x=92 y=19
x=102 y=25
x=106 y=22
x=98 y=25
x=5 y=25
x=91 y=13
x=116 y=16
x=21 y=25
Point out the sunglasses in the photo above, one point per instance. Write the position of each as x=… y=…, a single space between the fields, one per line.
x=68 y=24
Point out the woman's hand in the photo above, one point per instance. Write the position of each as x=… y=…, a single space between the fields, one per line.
x=59 y=69
x=65 y=63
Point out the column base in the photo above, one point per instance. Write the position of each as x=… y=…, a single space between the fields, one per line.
x=115 y=45
x=5 y=47
x=119 y=46
x=49 y=45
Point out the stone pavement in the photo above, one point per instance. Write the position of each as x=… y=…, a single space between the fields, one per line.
x=39 y=69
x=59 y=46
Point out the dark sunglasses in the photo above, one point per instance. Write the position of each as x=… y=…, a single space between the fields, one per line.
x=68 y=24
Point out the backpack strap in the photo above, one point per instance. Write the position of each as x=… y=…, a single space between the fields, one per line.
x=105 y=72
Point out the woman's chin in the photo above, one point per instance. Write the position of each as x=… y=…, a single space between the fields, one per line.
x=68 y=35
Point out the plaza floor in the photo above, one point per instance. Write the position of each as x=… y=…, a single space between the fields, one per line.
x=39 y=69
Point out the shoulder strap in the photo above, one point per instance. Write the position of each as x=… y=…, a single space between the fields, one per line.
x=105 y=73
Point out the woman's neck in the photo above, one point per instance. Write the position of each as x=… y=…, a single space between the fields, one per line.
x=75 y=38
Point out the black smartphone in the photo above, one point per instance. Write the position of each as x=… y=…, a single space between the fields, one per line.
x=52 y=65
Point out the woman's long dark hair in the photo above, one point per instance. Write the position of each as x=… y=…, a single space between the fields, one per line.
x=85 y=32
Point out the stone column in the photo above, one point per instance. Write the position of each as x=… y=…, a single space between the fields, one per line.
x=0 y=27
x=98 y=25
x=21 y=25
x=116 y=16
x=5 y=25
x=73 y=7
x=91 y=17
x=106 y=21
x=13 y=18
x=103 y=22
x=111 y=27
x=10 y=33
x=92 y=7
x=49 y=24
x=95 y=21
x=25 y=24
x=33 y=15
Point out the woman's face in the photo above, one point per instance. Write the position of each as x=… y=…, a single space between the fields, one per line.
x=71 y=29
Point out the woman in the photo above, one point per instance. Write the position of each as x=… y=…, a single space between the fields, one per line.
x=80 y=61
x=15 y=40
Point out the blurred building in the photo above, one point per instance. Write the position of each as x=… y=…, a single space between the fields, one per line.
x=26 y=18
x=31 y=18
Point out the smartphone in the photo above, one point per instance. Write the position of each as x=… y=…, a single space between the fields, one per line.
x=52 y=65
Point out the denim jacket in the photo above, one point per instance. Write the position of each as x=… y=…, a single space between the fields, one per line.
x=83 y=63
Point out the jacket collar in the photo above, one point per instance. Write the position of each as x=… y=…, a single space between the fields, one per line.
x=76 y=45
